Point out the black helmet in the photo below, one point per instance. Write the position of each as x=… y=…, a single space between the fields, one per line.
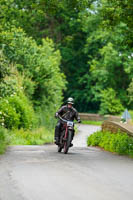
x=70 y=100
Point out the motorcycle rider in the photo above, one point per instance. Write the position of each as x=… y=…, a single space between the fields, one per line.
x=67 y=112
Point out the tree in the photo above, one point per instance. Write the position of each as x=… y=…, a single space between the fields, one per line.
x=110 y=104
x=95 y=43
x=109 y=60
x=116 y=12
x=37 y=63
x=58 y=20
x=43 y=18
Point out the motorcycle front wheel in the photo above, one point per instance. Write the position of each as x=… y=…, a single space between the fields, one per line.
x=68 y=141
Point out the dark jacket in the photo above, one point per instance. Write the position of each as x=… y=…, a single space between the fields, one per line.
x=68 y=113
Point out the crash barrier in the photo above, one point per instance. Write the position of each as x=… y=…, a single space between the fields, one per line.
x=97 y=117
x=114 y=127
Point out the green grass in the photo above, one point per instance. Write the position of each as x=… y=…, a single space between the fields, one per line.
x=38 y=136
x=119 y=143
x=4 y=139
x=97 y=123
x=35 y=137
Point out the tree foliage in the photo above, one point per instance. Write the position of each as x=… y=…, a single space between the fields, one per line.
x=114 y=13
x=42 y=18
x=109 y=59
x=92 y=46
x=110 y=104
x=34 y=71
x=4 y=66
x=39 y=64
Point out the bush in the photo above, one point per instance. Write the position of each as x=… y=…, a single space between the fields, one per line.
x=4 y=139
x=8 y=116
x=119 y=143
x=43 y=80
x=24 y=108
x=16 y=112
x=31 y=137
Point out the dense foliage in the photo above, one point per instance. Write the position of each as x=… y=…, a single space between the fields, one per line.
x=119 y=143
x=51 y=49
x=39 y=64
x=94 y=39
x=109 y=102
x=35 y=72
x=17 y=112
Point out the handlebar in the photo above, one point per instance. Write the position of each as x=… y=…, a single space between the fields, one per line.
x=62 y=119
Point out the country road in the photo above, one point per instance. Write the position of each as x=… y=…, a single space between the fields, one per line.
x=40 y=173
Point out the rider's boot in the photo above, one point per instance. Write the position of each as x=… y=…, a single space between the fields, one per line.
x=56 y=140
x=71 y=145
x=56 y=136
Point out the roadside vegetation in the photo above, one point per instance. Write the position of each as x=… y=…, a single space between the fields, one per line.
x=50 y=50
x=37 y=136
x=31 y=85
x=89 y=122
x=118 y=143
x=4 y=139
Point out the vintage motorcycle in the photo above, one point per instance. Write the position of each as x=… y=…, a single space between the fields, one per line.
x=66 y=135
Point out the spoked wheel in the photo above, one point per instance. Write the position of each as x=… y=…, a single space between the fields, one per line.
x=68 y=142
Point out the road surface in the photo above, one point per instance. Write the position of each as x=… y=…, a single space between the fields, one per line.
x=40 y=173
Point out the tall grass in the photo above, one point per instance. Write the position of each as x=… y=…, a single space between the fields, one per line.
x=42 y=134
x=4 y=139
x=38 y=136
x=46 y=118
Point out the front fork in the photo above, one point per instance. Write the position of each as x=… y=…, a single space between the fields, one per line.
x=66 y=134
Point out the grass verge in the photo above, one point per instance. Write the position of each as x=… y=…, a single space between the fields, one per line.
x=31 y=137
x=97 y=123
x=38 y=136
x=4 y=139
x=119 y=143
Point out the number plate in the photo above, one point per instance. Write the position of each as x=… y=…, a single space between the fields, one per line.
x=69 y=123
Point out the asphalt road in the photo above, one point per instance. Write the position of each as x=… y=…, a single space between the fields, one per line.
x=40 y=173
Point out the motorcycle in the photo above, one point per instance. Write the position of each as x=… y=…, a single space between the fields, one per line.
x=66 y=135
